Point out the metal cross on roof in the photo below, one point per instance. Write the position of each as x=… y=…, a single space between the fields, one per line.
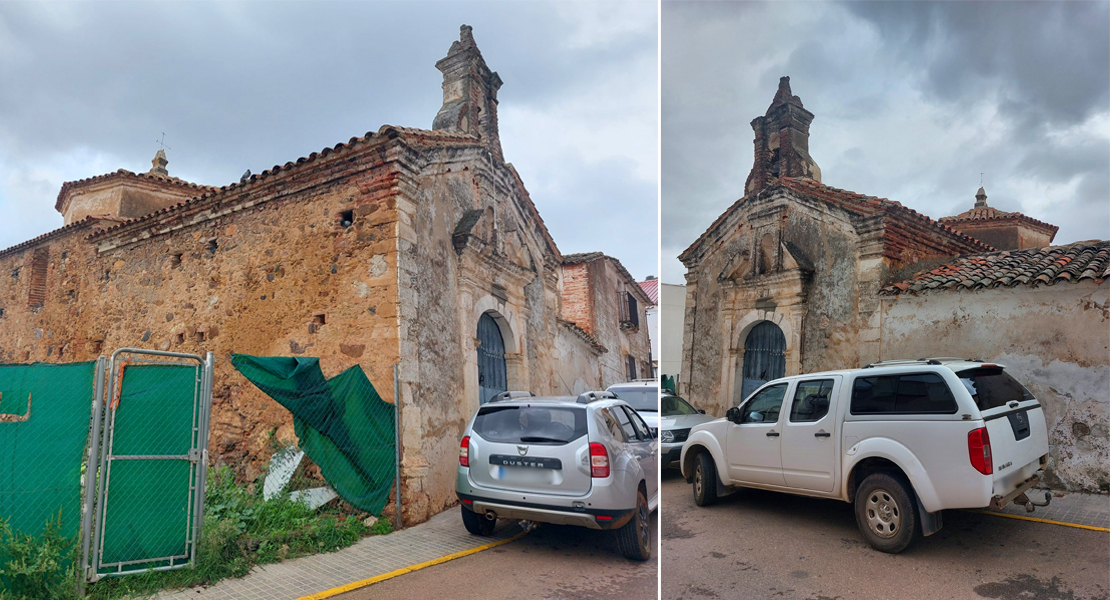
x=162 y=142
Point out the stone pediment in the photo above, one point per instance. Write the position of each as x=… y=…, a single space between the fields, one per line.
x=740 y=267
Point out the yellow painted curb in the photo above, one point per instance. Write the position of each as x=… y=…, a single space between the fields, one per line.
x=1024 y=518
x=390 y=575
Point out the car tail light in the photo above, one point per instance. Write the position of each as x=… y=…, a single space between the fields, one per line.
x=979 y=449
x=599 y=460
x=464 y=452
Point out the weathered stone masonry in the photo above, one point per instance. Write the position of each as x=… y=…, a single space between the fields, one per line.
x=832 y=273
x=384 y=250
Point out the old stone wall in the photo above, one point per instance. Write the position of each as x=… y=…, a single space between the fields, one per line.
x=788 y=260
x=576 y=371
x=622 y=339
x=262 y=269
x=453 y=269
x=1053 y=339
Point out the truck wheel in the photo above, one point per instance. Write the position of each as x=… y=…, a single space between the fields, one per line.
x=705 y=480
x=634 y=538
x=885 y=512
x=477 y=524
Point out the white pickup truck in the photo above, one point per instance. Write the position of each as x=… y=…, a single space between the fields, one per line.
x=903 y=440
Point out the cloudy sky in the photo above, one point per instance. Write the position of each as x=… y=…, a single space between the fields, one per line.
x=87 y=88
x=912 y=101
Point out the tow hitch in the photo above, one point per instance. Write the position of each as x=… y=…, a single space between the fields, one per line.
x=1018 y=496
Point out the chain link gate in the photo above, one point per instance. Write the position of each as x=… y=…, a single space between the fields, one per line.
x=148 y=457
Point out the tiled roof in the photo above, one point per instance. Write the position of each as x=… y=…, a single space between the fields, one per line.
x=584 y=335
x=651 y=288
x=585 y=257
x=83 y=223
x=125 y=174
x=581 y=257
x=1036 y=266
x=980 y=214
x=209 y=192
x=858 y=203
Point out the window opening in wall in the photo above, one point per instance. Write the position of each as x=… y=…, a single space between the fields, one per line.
x=36 y=291
x=96 y=346
x=630 y=310
x=180 y=338
x=198 y=336
x=212 y=247
x=175 y=260
x=1 y=312
x=631 y=361
x=318 y=320
x=346 y=218
x=15 y=272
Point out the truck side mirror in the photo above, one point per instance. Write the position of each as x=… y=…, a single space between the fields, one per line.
x=733 y=414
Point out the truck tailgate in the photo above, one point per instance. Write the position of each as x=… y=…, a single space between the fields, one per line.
x=1018 y=438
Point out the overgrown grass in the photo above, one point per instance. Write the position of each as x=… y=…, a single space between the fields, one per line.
x=240 y=530
x=41 y=566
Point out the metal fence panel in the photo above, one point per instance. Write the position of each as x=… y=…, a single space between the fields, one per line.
x=44 y=422
x=150 y=492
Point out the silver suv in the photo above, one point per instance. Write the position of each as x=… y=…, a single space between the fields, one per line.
x=589 y=461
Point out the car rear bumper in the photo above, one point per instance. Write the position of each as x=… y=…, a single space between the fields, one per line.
x=545 y=513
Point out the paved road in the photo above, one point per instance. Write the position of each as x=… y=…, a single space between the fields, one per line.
x=553 y=563
x=757 y=544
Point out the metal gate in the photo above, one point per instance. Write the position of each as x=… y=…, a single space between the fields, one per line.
x=492 y=379
x=764 y=356
x=150 y=448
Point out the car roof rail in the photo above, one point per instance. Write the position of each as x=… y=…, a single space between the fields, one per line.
x=511 y=395
x=959 y=358
x=904 y=361
x=588 y=397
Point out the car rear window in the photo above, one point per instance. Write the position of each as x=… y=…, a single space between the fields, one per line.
x=640 y=398
x=530 y=424
x=912 y=393
x=992 y=387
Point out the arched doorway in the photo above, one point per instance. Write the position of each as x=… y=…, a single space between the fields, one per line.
x=764 y=356
x=492 y=378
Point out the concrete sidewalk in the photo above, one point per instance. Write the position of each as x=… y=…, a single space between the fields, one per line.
x=1090 y=510
x=441 y=535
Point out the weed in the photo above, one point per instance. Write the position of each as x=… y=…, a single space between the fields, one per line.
x=242 y=530
x=41 y=567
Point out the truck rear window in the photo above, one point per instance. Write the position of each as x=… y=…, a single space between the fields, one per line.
x=909 y=394
x=992 y=387
x=554 y=425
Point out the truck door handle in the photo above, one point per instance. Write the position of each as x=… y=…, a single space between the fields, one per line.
x=822 y=434
x=772 y=434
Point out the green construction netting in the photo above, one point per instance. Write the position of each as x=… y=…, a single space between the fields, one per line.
x=40 y=457
x=147 y=506
x=342 y=423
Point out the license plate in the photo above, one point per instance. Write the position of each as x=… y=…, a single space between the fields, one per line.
x=535 y=462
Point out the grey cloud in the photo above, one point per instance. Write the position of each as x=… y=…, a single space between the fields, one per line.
x=912 y=101
x=1052 y=58
x=252 y=85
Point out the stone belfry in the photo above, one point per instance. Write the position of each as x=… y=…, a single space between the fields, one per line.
x=469 y=93
x=782 y=142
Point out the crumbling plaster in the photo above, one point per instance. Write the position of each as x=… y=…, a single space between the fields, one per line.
x=1053 y=339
